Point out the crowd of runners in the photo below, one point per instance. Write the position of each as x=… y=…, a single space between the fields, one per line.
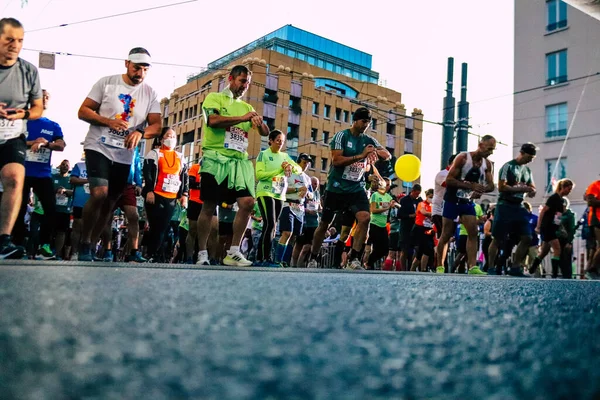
x=116 y=204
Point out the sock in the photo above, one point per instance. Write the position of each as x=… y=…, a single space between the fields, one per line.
x=4 y=240
x=233 y=249
x=203 y=254
x=287 y=254
x=555 y=266
x=397 y=265
x=353 y=254
x=133 y=252
x=387 y=264
x=279 y=252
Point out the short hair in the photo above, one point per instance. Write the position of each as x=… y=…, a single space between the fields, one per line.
x=429 y=192
x=138 y=50
x=417 y=187
x=451 y=159
x=238 y=70
x=274 y=133
x=9 y=21
x=486 y=138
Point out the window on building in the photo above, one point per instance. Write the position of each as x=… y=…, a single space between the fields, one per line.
x=295 y=104
x=408 y=134
x=556 y=120
x=390 y=129
x=315 y=108
x=374 y=124
x=264 y=142
x=186 y=115
x=556 y=12
x=324 y=164
x=195 y=110
x=270 y=122
x=390 y=141
x=166 y=121
x=325 y=137
x=338 y=114
x=554 y=173
x=314 y=133
x=270 y=96
x=180 y=116
x=327 y=111
x=312 y=165
x=346 y=116
x=556 y=67
x=292 y=140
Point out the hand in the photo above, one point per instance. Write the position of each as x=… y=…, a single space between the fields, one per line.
x=476 y=195
x=368 y=150
x=2 y=110
x=117 y=125
x=302 y=192
x=60 y=190
x=393 y=204
x=248 y=117
x=537 y=230
x=184 y=201
x=150 y=198
x=38 y=143
x=138 y=190
x=132 y=140
x=372 y=157
x=477 y=187
x=257 y=121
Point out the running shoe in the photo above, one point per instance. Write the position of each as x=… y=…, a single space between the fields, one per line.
x=11 y=252
x=476 y=271
x=236 y=259
x=440 y=270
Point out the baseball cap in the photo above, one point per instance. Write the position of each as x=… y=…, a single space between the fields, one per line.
x=139 y=55
x=529 y=148
x=303 y=156
x=361 y=113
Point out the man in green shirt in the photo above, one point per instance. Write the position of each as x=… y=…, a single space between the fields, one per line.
x=351 y=150
x=227 y=175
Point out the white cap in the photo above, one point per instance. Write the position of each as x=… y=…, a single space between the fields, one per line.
x=140 y=58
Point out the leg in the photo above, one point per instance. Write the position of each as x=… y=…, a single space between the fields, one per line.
x=245 y=204
x=204 y=221
x=133 y=219
x=470 y=224
x=76 y=234
x=522 y=249
x=191 y=240
x=13 y=178
x=447 y=233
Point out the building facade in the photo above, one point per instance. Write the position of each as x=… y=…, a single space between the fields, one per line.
x=306 y=86
x=557 y=100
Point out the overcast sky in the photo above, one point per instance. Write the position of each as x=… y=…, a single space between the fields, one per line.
x=410 y=42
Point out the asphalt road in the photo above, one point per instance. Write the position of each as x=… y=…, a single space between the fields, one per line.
x=68 y=331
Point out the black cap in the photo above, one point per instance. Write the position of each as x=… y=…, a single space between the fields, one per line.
x=361 y=113
x=529 y=148
x=303 y=156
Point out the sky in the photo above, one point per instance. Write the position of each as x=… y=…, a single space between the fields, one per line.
x=410 y=42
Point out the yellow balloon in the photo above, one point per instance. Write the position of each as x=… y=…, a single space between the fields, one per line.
x=408 y=168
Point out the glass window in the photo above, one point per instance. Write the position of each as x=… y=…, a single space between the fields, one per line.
x=556 y=120
x=325 y=137
x=390 y=129
x=270 y=96
x=327 y=111
x=324 y=164
x=315 y=108
x=556 y=12
x=338 y=114
x=314 y=133
x=556 y=67
x=329 y=66
x=270 y=122
x=311 y=60
x=320 y=63
x=291 y=53
x=374 y=124
x=555 y=172
x=301 y=56
x=346 y=116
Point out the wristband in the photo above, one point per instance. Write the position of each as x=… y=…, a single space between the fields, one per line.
x=26 y=116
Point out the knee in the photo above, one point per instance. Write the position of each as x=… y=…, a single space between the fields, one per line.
x=99 y=193
x=363 y=218
x=133 y=218
x=246 y=203
x=12 y=179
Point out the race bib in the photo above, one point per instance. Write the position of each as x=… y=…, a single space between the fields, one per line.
x=171 y=183
x=62 y=200
x=114 y=138
x=312 y=206
x=278 y=184
x=42 y=156
x=427 y=223
x=236 y=139
x=235 y=208
x=10 y=129
x=297 y=209
x=86 y=188
x=139 y=201
x=354 y=172
x=464 y=194
x=557 y=218
x=384 y=205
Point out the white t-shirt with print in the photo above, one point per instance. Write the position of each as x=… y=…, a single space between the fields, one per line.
x=437 y=204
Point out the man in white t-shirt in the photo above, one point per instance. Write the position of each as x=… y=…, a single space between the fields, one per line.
x=117 y=108
x=437 y=205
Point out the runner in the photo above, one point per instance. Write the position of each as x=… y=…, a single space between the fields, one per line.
x=408 y=215
x=81 y=194
x=117 y=109
x=381 y=203
x=20 y=100
x=351 y=150
x=64 y=202
x=227 y=174
x=303 y=245
x=273 y=168
x=423 y=232
x=469 y=177
x=592 y=196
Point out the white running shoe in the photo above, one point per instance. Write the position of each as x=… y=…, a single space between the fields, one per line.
x=312 y=264
x=236 y=259
x=202 y=259
x=355 y=265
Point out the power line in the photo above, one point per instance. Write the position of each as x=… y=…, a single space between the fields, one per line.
x=111 y=16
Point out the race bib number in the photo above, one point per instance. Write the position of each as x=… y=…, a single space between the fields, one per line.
x=354 y=172
x=557 y=218
x=236 y=139
x=312 y=206
x=297 y=208
x=384 y=205
x=427 y=223
x=114 y=138
x=62 y=200
x=42 y=156
x=171 y=183
x=464 y=194
x=278 y=184
x=10 y=129
x=86 y=188
x=139 y=201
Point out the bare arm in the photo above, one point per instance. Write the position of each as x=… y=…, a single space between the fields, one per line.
x=222 y=122
x=74 y=180
x=375 y=210
x=487 y=228
x=592 y=201
x=88 y=112
x=489 y=177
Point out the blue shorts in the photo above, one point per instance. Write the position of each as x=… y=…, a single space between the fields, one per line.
x=288 y=222
x=455 y=210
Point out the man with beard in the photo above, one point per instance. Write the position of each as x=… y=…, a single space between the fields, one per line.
x=117 y=109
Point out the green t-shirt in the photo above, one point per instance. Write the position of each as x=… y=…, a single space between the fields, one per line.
x=255 y=224
x=227 y=215
x=63 y=202
x=272 y=181
x=349 y=179
x=177 y=212
x=478 y=214
x=312 y=220
x=514 y=174
x=381 y=201
x=233 y=141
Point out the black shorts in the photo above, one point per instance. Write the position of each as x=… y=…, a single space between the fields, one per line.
x=549 y=233
x=423 y=239
x=288 y=222
x=77 y=212
x=193 y=211
x=394 y=241
x=62 y=222
x=13 y=151
x=307 y=236
x=343 y=202
x=219 y=193
x=225 y=228
x=103 y=172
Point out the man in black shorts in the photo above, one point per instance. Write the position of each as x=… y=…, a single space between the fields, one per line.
x=20 y=100
x=303 y=245
x=117 y=109
x=351 y=150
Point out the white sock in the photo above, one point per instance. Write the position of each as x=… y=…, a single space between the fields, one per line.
x=233 y=249
x=203 y=254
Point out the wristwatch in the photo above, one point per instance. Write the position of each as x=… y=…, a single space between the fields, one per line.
x=26 y=116
x=142 y=131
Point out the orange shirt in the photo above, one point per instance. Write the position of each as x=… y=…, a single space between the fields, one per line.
x=168 y=181
x=593 y=189
x=195 y=193
x=421 y=219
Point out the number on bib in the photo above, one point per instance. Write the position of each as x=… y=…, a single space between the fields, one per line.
x=171 y=183
x=114 y=139
x=62 y=200
x=42 y=156
x=278 y=184
x=86 y=188
x=354 y=172
x=10 y=129
x=236 y=139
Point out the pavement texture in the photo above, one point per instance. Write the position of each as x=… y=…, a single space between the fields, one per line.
x=77 y=330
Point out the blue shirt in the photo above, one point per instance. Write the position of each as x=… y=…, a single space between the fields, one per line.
x=535 y=238
x=37 y=165
x=81 y=193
